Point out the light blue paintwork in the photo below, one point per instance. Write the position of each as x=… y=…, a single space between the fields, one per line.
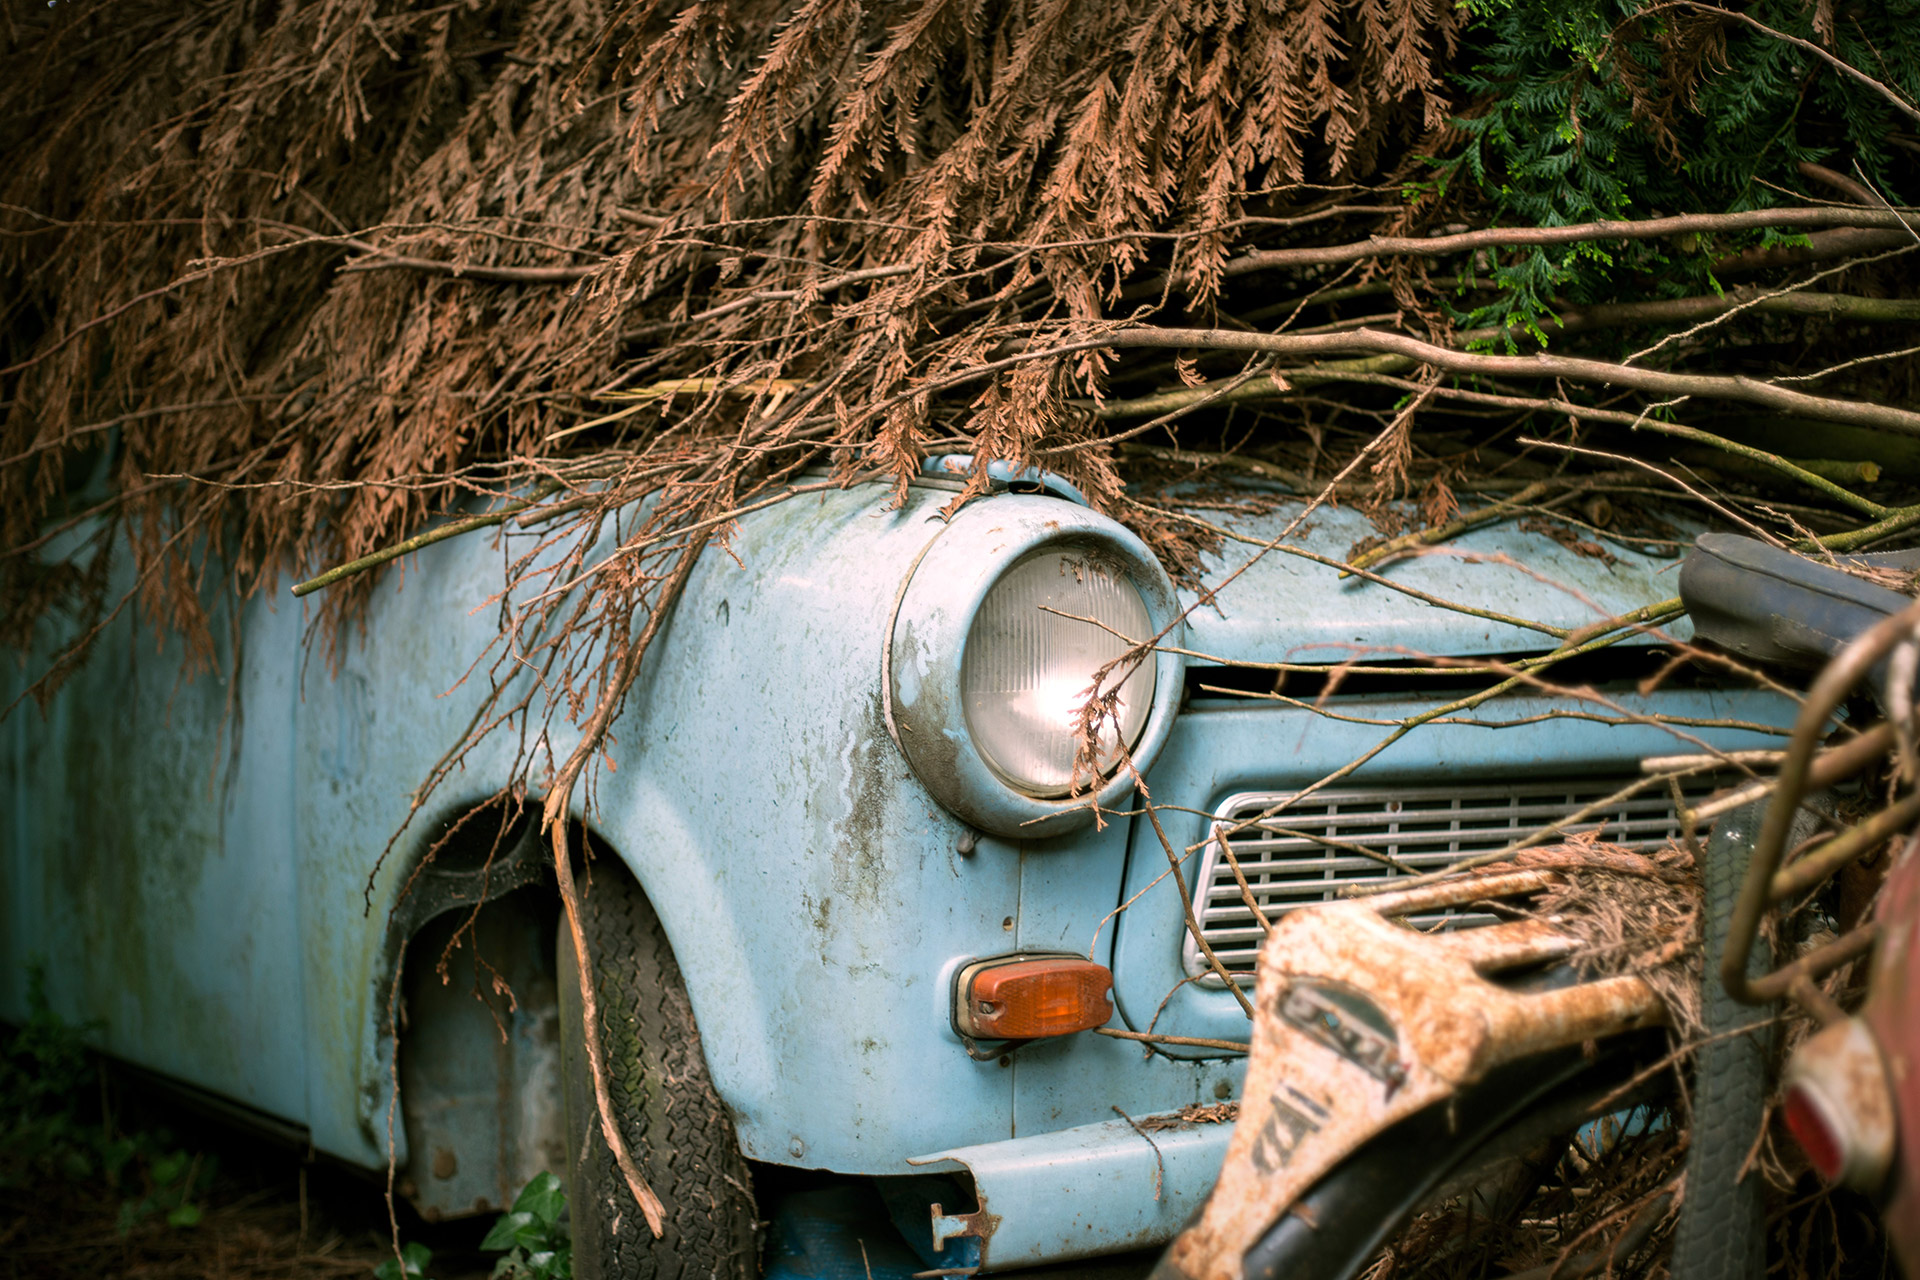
x=190 y=854
x=1326 y=619
x=1003 y=475
x=1106 y=1186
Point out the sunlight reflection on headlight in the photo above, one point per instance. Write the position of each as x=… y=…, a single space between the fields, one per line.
x=1042 y=632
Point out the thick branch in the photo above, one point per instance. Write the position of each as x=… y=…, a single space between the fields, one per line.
x=1854 y=191
x=1735 y=387
x=1812 y=479
x=1826 y=306
x=1842 y=306
x=452 y=529
x=1847 y=242
x=1513 y=237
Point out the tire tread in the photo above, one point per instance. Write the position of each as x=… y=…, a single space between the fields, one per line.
x=677 y=1129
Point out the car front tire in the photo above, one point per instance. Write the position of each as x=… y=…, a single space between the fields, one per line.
x=679 y=1133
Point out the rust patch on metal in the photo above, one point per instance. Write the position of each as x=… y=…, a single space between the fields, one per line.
x=980 y=1225
x=1189 y=1117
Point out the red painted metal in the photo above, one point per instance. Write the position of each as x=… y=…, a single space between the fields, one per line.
x=1893 y=1014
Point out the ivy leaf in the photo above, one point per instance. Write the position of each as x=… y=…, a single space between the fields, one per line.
x=411 y=1265
x=516 y=1228
x=545 y=1198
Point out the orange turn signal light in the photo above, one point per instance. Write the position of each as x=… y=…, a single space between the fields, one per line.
x=1026 y=997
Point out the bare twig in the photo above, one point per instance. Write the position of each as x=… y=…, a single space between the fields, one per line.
x=1439 y=533
x=1191 y=1042
x=1736 y=387
x=451 y=529
x=1844 y=67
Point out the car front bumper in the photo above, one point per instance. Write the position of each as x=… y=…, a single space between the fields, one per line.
x=1126 y=1183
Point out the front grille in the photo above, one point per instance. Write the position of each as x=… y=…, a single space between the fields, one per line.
x=1422 y=828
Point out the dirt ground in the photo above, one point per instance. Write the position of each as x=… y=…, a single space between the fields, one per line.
x=270 y=1214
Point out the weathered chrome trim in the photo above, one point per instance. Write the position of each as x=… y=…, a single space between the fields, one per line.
x=927 y=639
x=1420 y=827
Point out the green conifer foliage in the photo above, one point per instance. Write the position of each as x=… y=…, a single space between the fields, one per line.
x=1607 y=109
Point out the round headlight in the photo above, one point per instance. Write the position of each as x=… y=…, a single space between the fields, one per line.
x=997 y=632
x=1044 y=629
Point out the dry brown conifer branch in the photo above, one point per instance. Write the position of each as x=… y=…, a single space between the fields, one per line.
x=484 y=274
x=195 y=272
x=73 y=434
x=1517 y=237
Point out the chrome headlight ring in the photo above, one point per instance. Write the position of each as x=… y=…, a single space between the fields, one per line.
x=986 y=545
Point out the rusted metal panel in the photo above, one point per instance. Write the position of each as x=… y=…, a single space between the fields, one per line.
x=480 y=1070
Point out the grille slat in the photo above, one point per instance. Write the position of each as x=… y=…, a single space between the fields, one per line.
x=1422 y=828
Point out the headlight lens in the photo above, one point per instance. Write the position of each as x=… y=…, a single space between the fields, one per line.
x=1030 y=660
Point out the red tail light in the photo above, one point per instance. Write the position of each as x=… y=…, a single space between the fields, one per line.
x=1808 y=1122
x=1838 y=1105
x=1028 y=997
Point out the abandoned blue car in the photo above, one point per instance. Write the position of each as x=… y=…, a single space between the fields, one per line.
x=858 y=901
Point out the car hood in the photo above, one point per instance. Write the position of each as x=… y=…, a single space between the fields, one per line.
x=1256 y=604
